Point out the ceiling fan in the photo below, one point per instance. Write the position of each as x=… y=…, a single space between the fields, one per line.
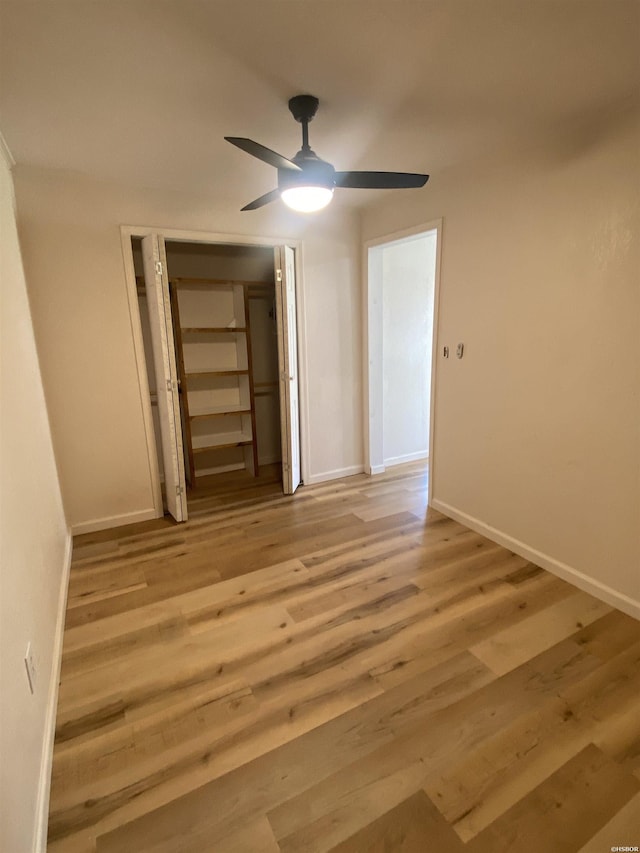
x=305 y=182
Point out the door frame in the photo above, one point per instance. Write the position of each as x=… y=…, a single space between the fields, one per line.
x=156 y=284
x=372 y=352
x=285 y=296
x=127 y=232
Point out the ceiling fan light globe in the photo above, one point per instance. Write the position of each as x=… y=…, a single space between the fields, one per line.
x=306 y=199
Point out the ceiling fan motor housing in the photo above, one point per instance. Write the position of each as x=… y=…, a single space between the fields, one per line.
x=315 y=172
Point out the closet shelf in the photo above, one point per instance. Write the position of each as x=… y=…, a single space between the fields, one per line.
x=222 y=343
x=211 y=330
x=188 y=374
x=208 y=283
x=224 y=442
x=218 y=411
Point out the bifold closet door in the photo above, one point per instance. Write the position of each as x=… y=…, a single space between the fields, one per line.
x=288 y=366
x=164 y=360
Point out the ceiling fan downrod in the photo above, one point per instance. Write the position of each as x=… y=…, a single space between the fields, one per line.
x=303 y=108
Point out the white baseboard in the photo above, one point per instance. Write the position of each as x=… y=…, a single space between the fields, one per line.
x=46 y=760
x=376 y=469
x=113 y=521
x=407 y=457
x=616 y=599
x=336 y=474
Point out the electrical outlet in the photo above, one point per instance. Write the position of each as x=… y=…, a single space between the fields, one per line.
x=30 y=664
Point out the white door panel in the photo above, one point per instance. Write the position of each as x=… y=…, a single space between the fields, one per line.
x=288 y=366
x=164 y=359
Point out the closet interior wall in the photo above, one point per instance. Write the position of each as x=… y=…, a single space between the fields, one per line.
x=250 y=306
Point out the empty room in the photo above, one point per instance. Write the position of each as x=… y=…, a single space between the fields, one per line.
x=320 y=426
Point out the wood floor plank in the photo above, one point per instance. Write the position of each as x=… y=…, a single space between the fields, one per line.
x=421 y=732
x=413 y=826
x=492 y=778
x=619 y=737
x=256 y=837
x=339 y=669
x=610 y=635
x=157 y=626
x=392 y=770
x=439 y=639
x=262 y=784
x=77 y=761
x=81 y=842
x=623 y=830
x=513 y=645
x=565 y=811
x=139 y=678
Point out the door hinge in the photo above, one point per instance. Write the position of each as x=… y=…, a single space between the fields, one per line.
x=169 y=386
x=179 y=490
x=286 y=466
x=278 y=275
x=159 y=267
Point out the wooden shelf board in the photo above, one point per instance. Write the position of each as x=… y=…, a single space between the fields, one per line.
x=191 y=373
x=224 y=445
x=210 y=330
x=217 y=282
x=221 y=411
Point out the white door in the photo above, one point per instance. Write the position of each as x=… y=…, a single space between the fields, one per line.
x=288 y=367
x=164 y=360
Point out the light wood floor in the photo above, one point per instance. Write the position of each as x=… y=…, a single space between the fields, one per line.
x=341 y=671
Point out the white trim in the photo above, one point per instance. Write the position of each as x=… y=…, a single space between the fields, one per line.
x=303 y=365
x=141 y=369
x=403 y=236
x=376 y=469
x=113 y=521
x=435 y=349
x=46 y=760
x=568 y=573
x=7 y=156
x=336 y=474
x=188 y=236
x=407 y=457
x=192 y=236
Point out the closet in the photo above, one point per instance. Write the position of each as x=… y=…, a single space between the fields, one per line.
x=213 y=345
x=222 y=302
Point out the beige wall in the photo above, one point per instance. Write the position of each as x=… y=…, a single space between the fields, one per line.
x=69 y=227
x=35 y=550
x=537 y=428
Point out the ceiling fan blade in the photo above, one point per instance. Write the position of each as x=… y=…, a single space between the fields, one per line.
x=262 y=153
x=380 y=180
x=267 y=198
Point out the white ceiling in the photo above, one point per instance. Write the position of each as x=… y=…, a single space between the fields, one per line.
x=143 y=92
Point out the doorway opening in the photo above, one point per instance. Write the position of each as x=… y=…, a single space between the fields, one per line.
x=401 y=303
x=213 y=330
